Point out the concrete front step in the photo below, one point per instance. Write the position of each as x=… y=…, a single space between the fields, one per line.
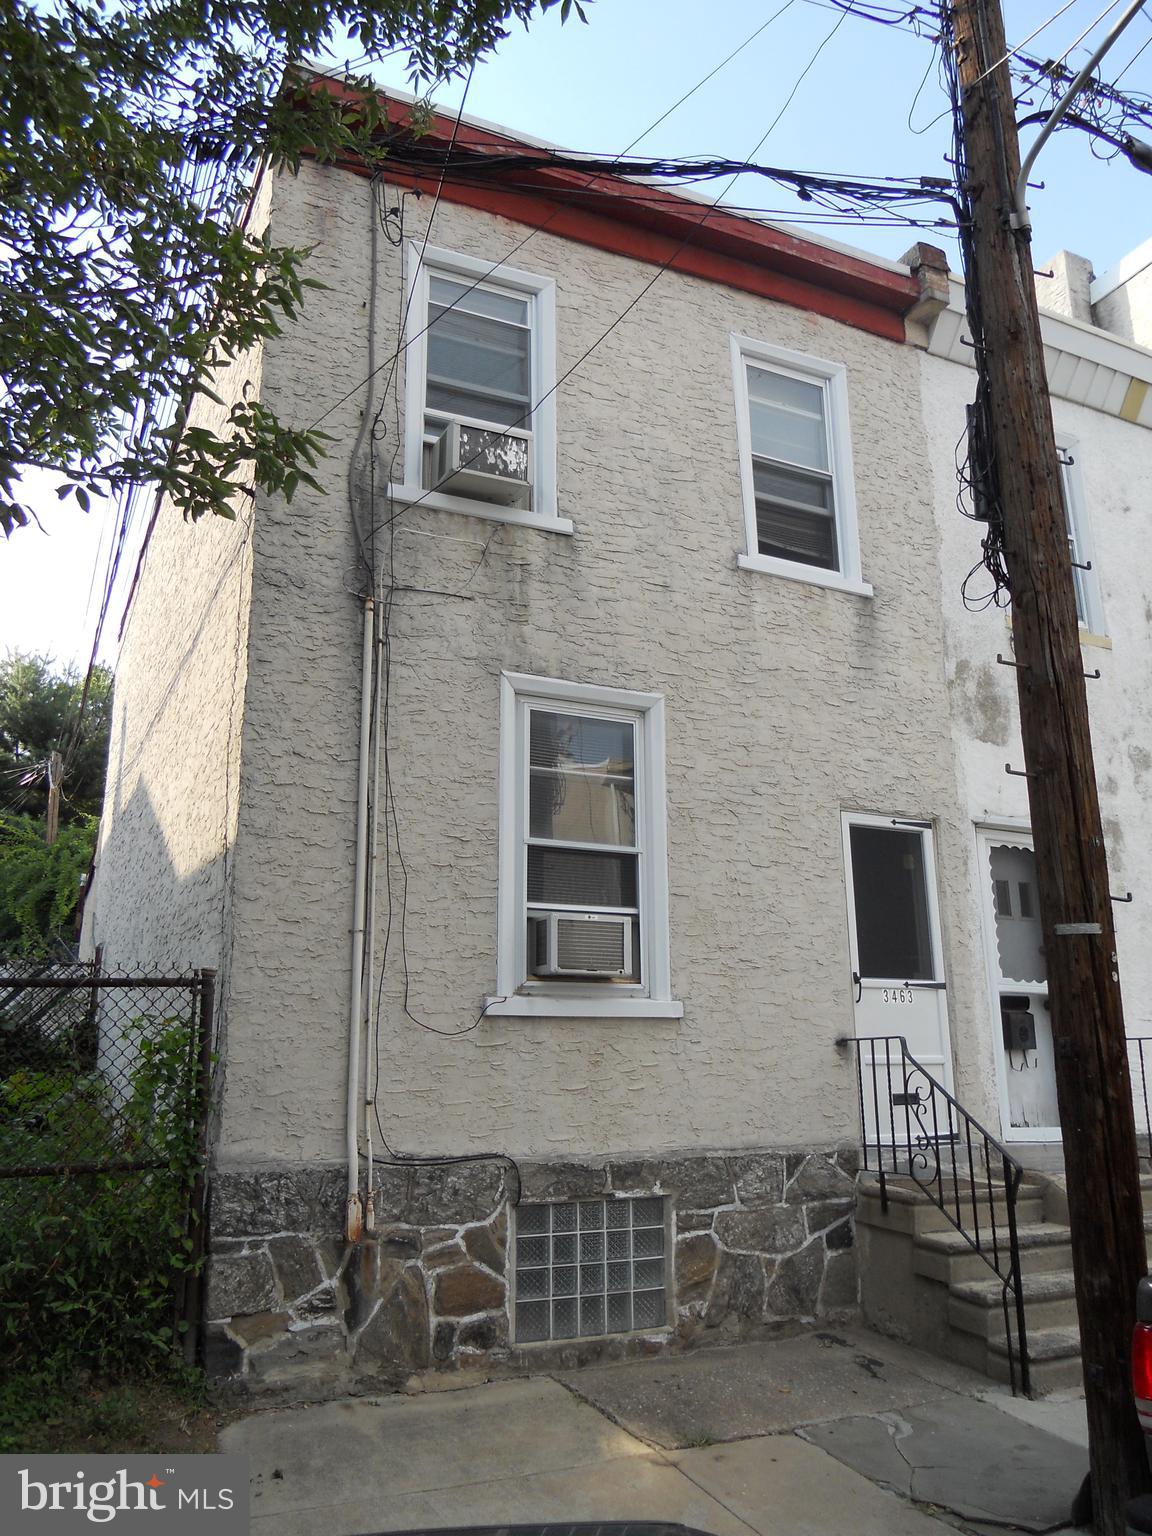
x=911 y=1210
x=948 y=1256
x=922 y=1280
x=1053 y=1359
x=977 y=1306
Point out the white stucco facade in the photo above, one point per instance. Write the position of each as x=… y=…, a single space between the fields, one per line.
x=1109 y=459
x=785 y=705
x=781 y=708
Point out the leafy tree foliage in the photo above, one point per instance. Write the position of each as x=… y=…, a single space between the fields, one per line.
x=130 y=131
x=40 y=885
x=39 y=708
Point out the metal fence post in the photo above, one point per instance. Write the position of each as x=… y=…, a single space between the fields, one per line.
x=192 y=1311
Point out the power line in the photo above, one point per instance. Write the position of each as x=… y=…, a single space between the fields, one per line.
x=1044 y=25
x=807 y=184
x=539 y=228
x=751 y=38
x=801 y=77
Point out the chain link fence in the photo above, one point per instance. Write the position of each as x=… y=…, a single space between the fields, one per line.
x=104 y=1085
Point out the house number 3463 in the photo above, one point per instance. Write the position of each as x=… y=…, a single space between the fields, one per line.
x=897 y=994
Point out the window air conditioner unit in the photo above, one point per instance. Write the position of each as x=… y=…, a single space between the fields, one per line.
x=583 y=944
x=490 y=466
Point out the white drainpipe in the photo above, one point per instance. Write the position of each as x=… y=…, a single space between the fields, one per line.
x=353 y=1219
x=369 y=1095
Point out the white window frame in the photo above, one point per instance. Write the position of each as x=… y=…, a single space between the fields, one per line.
x=516 y=994
x=541 y=294
x=832 y=379
x=1080 y=536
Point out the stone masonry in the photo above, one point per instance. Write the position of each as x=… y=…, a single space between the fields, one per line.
x=758 y=1239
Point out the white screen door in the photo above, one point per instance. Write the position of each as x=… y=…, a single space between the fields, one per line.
x=897 y=970
x=1022 y=1026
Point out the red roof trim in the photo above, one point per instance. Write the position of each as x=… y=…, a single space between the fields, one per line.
x=653 y=225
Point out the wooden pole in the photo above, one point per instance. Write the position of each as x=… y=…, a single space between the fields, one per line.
x=55 y=774
x=1092 y=1081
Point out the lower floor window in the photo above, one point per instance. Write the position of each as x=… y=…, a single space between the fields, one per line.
x=589 y=1267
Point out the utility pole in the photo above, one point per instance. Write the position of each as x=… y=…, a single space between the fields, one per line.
x=1093 y=1089
x=55 y=774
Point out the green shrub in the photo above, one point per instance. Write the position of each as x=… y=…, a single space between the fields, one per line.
x=90 y=1262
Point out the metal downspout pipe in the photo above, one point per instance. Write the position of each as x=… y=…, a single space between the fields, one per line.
x=354 y=1210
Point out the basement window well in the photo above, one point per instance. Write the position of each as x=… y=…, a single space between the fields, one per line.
x=589 y=1267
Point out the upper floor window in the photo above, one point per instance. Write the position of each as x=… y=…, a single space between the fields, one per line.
x=1089 y=612
x=583 y=878
x=480 y=415
x=796 y=466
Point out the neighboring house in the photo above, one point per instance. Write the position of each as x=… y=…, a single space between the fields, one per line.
x=692 y=758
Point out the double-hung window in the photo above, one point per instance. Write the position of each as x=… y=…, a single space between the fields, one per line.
x=583 y=883
x=796 y=466
x=1089 y=611
x=480 y=412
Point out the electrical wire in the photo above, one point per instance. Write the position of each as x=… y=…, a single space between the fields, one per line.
x=1043 y=27
x=381 y=678
x=1136 y=55
x=846 y=11
x=751 y=38
x=539 y=228
x=392 y=823
x=808 y=185
x=978 y=496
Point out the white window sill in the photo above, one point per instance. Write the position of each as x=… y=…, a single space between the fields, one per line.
x=441 y=501
x=811 y=575
x=526 y=1007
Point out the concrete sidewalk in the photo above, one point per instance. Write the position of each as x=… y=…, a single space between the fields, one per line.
x=828 y=1432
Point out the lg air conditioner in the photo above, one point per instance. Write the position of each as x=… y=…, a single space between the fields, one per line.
x=582 y=944
x=486 y=465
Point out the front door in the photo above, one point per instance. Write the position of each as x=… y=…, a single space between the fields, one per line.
x=897 y=970
x=1022 y=1026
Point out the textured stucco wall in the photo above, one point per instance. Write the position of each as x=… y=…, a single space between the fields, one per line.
x=1126 y=310
x=1114 y=459
x=785 y=704
x=167 y=839
x=1063 y=286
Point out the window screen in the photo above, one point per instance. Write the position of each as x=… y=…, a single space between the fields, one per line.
x=582 y=851
x=791 y=469
x=890 y=895
x=479 y=354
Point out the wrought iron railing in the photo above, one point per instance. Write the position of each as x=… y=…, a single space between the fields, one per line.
x=913 y=1128
x=1140 y=1073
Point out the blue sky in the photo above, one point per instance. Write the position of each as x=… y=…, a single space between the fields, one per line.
x=869 y=105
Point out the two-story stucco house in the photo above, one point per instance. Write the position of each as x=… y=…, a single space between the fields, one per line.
x=560 y=793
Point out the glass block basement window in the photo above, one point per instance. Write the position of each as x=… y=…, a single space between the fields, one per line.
x=589 y=1267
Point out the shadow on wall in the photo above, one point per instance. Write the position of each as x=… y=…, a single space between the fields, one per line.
x=145 y=914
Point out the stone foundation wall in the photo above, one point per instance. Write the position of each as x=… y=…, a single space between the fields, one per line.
x=757 y=1239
